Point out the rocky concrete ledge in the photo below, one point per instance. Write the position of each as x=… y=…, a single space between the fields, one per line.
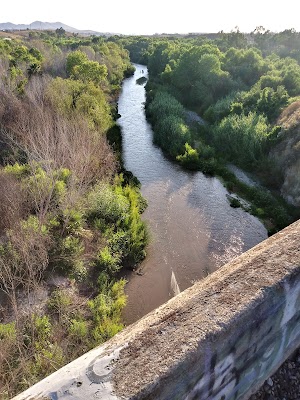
x=220 y=339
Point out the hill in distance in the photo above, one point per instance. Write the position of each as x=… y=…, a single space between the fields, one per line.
x=39 y=25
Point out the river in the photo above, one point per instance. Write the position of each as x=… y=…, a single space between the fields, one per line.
x=193 y=228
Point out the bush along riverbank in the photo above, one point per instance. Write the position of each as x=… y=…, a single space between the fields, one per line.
x=70 y=217
x=193 y=146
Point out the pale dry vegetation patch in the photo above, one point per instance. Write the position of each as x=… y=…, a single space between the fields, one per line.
x=286 y=154
x=55 y=160
x=13 y=206
x=53 y=141
x=23 y=260
x=290 y=117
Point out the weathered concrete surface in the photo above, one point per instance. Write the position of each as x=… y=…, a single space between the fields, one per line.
x=218 y=340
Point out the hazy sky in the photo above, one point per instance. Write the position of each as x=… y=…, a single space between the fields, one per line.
x=157 y=16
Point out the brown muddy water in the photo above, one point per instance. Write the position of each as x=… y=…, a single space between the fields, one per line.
x=193 y=228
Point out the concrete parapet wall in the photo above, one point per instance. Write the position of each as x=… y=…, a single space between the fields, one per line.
x=218 y=340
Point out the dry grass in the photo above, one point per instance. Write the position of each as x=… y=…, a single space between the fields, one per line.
x=13 y=208
x=286 y=153
x=290 y=117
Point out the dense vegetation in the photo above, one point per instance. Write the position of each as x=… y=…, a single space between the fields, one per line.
x=239 y=84
x=69 y=218
x=69 y=214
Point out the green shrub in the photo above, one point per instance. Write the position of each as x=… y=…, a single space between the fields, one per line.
x=242 y=138
x=109 y=261
x=59 y=302
x=79 y=271
x=164 y=105
x=106 y=310
x=78 y=330
x=8 y=332
x=190 y=158
x=18 y=170
x=141 y=80
x=104 y=203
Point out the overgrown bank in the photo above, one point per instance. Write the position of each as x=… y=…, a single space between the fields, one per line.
x=69 y=218
x=241 y=91
x=195 y=149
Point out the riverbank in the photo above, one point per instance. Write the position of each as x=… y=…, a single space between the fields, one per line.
x=193 y=229
x=185 y=138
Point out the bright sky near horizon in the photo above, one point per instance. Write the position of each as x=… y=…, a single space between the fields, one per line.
x=157 y=16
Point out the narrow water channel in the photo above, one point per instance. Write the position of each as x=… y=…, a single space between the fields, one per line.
x=193 y=228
